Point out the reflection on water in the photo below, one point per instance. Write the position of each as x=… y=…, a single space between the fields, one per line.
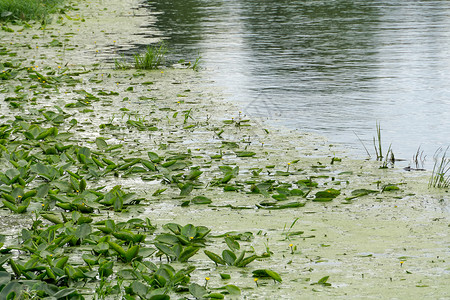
x=333 y=67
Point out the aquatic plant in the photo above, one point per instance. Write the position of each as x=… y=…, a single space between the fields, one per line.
x=152 y=58
x=231 y=257
x=196 y=64
x=121 y=64
x=440 y=176
x=418 y=159
x=389 y=159
x=28 y=9
x=377 y=143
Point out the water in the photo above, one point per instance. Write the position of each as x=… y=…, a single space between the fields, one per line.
x=331 y=67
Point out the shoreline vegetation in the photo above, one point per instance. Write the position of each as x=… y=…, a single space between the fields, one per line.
x=26 y=10
x=122 y=183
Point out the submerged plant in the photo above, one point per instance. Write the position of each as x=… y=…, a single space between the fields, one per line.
x=152 y=58
x=440 y=177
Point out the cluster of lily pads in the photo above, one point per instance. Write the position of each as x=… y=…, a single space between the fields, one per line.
x=80 y=237
x=47 y=177
x=52 y=181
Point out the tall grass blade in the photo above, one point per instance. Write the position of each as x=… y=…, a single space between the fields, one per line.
x=440 y=176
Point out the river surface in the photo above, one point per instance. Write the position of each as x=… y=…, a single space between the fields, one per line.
x=335 y=68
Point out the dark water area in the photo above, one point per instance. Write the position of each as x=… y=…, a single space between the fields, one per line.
x=335 y=68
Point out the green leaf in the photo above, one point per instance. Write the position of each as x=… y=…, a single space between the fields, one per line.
x=64 y=293
x=194 y=174
x=12 y=288
x=117 y=248
x=11 y=206
x=197 y=290
x=245 y=153
x=166 y=250
x=106 y=269
x=201 y=200
x=267 y=273
x=232 y=243
x=229 y=257
x=83 y=230
x=154 y=157
x=132 y=253
x=139 y=289
x=186 y=189
x=327 y=195
x=274 y=275
x=90 y=259
x=233 y=290
x=124 y=235
x=323 y=280
x=187 y=253
x=280 y=197
x=189 y=231
x=158 y=192
x=167 y=239
x=101 y=143
x=247 y=260
x=215 y=296
x=118 y=203
x=390 y=187
x=12 y=174
x=215 y=258
x=5 y=278
x=160 y=297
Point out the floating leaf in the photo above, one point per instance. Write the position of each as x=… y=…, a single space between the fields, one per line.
x=197 y=290
x=83 y=230
x=132 y=253
x=307 y=183
x=201 y=200
x=229 y=257
x=267 y=273
x=232 y=243
x=154 y=157
x=187 y=253
x=101 y=143
x=233 y=290
x=327 y=195
x=215 y=296
x=5 y=278
x=245 y=153
x=215 y=258
x=390 y=187
x=360 y=192
x=186 y=189
x=323 y=281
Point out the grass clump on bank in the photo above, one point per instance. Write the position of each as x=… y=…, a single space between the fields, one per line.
x=27 y=9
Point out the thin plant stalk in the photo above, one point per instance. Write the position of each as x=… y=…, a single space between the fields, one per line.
x=367 y=151
x=377 y=139
x=440 y=176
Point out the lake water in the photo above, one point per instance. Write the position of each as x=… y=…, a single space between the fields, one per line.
x=335 y=68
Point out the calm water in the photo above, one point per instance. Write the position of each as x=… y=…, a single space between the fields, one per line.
x=331 y=67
